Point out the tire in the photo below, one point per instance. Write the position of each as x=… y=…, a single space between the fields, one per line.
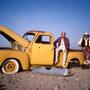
x=10 y=66
x=74 y=63
x=48 y=68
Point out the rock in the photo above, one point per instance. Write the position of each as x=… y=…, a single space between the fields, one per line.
x=77 y=79
x=31 y=76
x=57 y=88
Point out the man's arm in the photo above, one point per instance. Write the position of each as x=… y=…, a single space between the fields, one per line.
x=56 y=41
x=89 y=42
x=79 y=43
x=68 y=44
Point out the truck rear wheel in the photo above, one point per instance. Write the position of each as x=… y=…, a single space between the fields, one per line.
x=10 y=66
x=73 y=63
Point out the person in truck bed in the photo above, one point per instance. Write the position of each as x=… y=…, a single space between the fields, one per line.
x=62 y=43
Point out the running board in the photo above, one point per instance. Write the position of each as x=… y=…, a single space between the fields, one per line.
x=52 y=71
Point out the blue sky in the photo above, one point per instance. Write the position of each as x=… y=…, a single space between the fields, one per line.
x=71 y=16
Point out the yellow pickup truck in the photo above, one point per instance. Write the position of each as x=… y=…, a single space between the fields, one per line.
x=33 y=49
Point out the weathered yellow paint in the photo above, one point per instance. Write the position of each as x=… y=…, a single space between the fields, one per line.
x=71 y=55
x=42 y=54
x=21 y=56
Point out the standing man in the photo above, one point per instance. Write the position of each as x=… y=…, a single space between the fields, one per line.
x=85 y=45
x=62 y=43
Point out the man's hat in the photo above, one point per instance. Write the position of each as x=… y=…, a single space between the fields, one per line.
x=86 y=33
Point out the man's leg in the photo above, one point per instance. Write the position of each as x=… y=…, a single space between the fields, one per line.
x=57 y=52
x=64 y=57
x=88 y=55
x=56 y=55
x=85 y=54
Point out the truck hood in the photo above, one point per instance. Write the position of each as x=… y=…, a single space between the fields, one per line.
x=13 y=35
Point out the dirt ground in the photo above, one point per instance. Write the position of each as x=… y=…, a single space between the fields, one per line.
x=27 y=80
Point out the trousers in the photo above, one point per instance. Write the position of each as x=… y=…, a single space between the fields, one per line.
x=64 y=55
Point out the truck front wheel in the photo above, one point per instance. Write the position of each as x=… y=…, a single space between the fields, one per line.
x=10 y=66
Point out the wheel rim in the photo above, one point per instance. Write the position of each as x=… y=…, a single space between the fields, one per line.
x=10 y=67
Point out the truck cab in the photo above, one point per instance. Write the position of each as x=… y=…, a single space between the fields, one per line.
x=41 y=48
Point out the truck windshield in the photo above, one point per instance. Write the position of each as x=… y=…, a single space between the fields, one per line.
x=29 y=36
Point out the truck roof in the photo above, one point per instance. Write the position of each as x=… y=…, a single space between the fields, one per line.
x=39 y=32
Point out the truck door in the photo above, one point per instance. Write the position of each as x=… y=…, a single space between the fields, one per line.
x=42 y=51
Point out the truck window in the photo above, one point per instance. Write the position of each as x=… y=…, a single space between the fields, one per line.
x=28 y=36
x=43 y=39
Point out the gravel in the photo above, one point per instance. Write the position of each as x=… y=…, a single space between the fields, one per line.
x=27 y=80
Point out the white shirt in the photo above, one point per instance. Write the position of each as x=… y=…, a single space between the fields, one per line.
x=79 y=43
x=62 y=45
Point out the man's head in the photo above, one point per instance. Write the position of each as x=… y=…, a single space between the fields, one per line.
x=63 y=34
x=86 y=35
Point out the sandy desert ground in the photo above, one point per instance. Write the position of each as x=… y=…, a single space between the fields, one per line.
x=26 y=80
